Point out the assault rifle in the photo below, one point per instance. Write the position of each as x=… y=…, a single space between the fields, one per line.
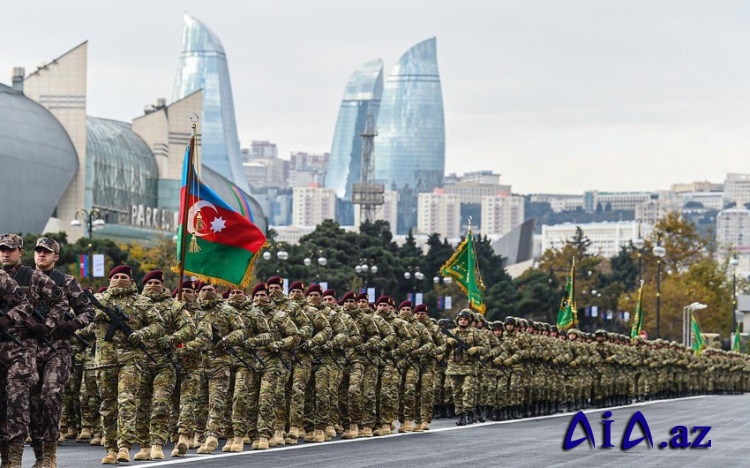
x=461 y=347
x=118 y=321
x=6 y=333
x=40 y=313
x=216 y=337
x=69 y=317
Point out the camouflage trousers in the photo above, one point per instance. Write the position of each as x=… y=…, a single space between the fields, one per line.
x=463 y=392
x=442 y=391
x=301 y=374
x=408 y=392
x=335 y=377
x=46 y=397
x=353 y=401
x=281 y=409
x=154 y=400
x=259 y=401
x=18 y=375
x=90 y=402
x=190 y=388
x=369 y=386
x=424 y=392
x=502 y=389
x=218 y=396
x=71 y=414
x=118 y=385
x=317 y=399
x=390 y=378
x=516 y=387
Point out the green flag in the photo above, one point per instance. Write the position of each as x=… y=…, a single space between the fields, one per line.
x=463 y=267
x=699 y=343
x=637 y=316
x=567 y=317
x=736 y=343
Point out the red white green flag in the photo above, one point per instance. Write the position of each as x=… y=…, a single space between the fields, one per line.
x=222 y=244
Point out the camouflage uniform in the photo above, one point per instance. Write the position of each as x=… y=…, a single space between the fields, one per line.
x=372 y=374
x=315 y=374
x=53 y=367
x=18 y=372
x=339 y=370
x=462 y=366
x=89 y=397
x=159 y=379
x=120 y=363
x=191 y=354
x=392 y=370
x=416 y=365
x=252 y=409
x=223 y=320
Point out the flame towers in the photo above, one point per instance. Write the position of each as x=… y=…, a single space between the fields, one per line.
x=361 y=98
x=410 y=146
x=203 y=65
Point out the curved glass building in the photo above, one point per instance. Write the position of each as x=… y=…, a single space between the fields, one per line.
x=410 y=146
x=38 y=159
x=121 y=170
x=203 y=65
x=361 y=98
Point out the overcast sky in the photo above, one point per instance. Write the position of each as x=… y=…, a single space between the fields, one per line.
x=557 y=96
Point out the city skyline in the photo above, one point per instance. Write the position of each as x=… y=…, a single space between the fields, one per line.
x=629 y=96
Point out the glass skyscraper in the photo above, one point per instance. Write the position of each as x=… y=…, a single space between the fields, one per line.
x=361 y=98
x=410 y=146
x=203 y=65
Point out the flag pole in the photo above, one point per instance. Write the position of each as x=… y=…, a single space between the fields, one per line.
x=185 y=208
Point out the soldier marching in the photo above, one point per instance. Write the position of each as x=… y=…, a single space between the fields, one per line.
x=261 y=369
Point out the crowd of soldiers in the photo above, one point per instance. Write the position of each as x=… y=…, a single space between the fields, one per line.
x=123 y=368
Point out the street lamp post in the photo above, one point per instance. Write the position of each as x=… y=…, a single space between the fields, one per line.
x=415 y=276
x=281 y=254
x=322 y=261
x=733 y=262
x=93 y=221
x=659 y=252
x=441 y=283
x=366 y=267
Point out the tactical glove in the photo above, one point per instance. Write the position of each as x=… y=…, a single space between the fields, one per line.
x=164 y=342
x=135 y=338
x=497 y=361
x=5 y=321
x=39 y=330
x=473 y=350
x=67 y=329
x=451 y=341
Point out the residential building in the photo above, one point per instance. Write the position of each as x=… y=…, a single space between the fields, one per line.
x=614 y=201
x=388 y=211
x=439 y=212
x=737 y=187
x=606 y=238
x=501 y=213
x=312 y=205
x=651 y=211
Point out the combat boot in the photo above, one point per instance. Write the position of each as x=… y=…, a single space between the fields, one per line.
x=197 y=440
x=263 y=443
x=450 y=411
x=38 y=448
x=425 y=426
x=61 y=439
x=386 y=430
x=319 y=435
x=407 y=426
x=84 y=436
x=4 y=454
x=182 y=445
x=238 y=445
x=330 y=432
x=96 y=440
x=212 y=443
x=351 y=433
x=366 y=432
x=278 y=439
x=461 y=420
x=309 y=436
x=156 y=452
x=254 y=445
x=144 y=454
x=292 y=437
x=228 y=445
x=72 y=433
x=481 y=414
x=378 y=431
x=436 y=412
x=418 y=427
x=110 y=458
x=124 y=454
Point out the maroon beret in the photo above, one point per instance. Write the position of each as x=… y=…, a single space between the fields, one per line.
x=329 y=292
x=364 y=296
x=225 y=294
x=314 y=288
x=101 y=290
x=392 y=302
x=275 y=280
x=404 y=304
x=420 y=308
x=174 y=292
x=383 y=300
x=121 y=269
x=349 y=295
x=260 y=287
x=154 y=274
x=340 y=302
x=190 y=284
x=200 y=285
x=297 y=285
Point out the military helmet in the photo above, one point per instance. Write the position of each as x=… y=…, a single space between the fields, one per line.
x=444 y=322
x=553 y=328
x=497 y=325
x=562 y=332
x=510 y=320
x=465 y=313
x=573 y=331
x=600 y=332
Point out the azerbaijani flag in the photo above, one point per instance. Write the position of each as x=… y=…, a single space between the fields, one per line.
x=83 y=266
x=223 y=242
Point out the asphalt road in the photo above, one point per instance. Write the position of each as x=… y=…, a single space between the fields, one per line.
x=531 y=442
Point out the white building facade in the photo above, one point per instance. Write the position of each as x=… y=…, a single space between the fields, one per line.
x=606 y=238
x=439 y=212
x=501 y=213
x=312 y=205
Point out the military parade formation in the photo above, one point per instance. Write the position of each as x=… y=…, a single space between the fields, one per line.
x=132 y=366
